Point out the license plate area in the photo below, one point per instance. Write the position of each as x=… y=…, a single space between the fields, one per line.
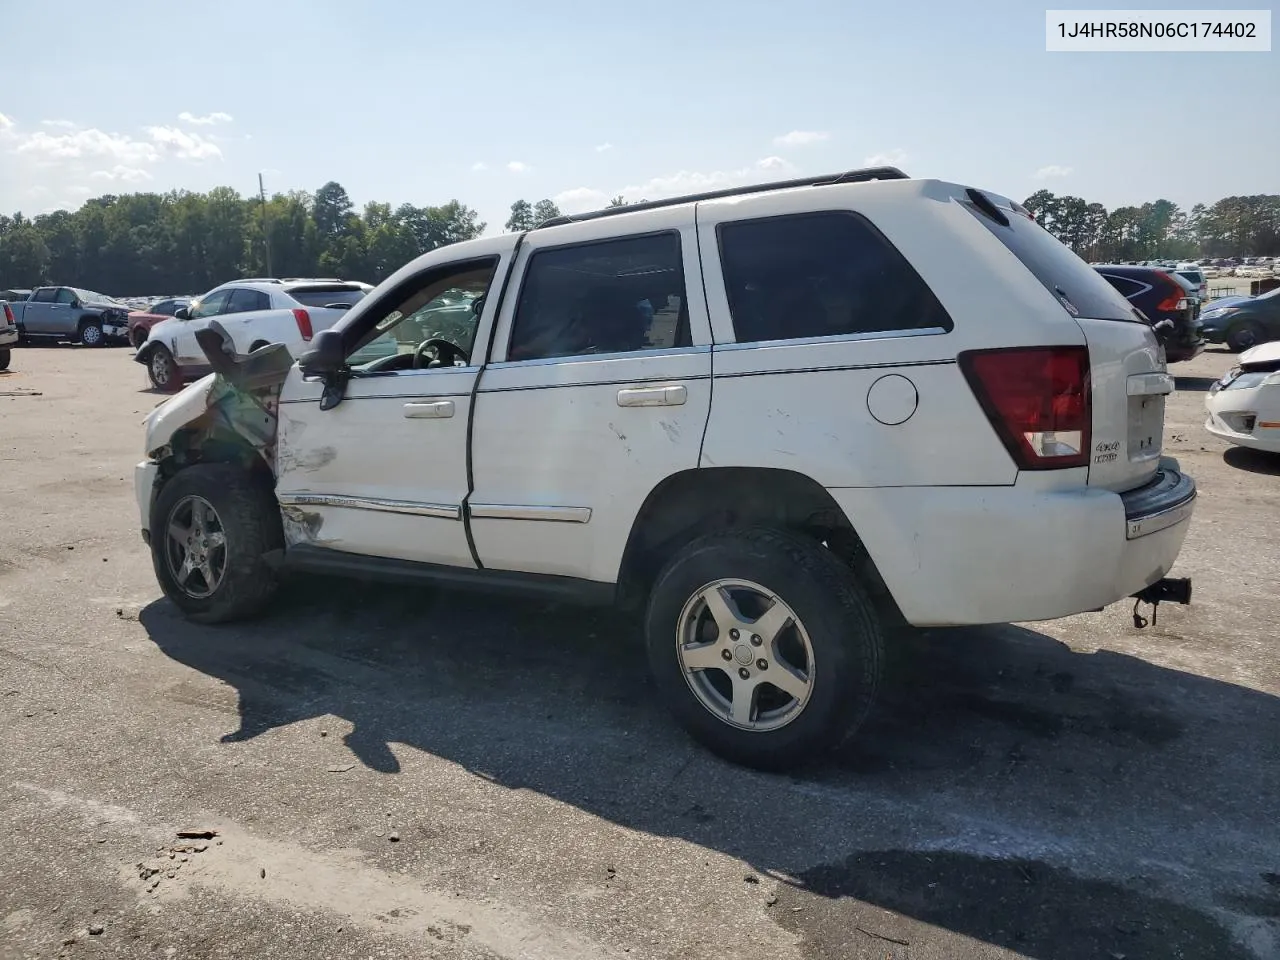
x=1146 y=427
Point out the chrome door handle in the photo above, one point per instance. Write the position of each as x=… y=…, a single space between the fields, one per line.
x=435 y=410
x=669 y=396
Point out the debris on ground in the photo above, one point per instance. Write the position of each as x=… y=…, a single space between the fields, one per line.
x=197 y=833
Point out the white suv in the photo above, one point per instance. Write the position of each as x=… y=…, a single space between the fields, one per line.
x=774 y=422
x=254 y=313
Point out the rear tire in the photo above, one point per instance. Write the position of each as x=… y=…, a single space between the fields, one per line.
x=829 y=654
x=5 y=355
x=212 y=526
x=137 y=337
x=91 y=334
x=162 y=370
x=1244 y=335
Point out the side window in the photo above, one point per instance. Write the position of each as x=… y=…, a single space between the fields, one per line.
x=210 y=305
x=242 y=301
x=820 y=275
x=65 y=295
x=44 y=296
x=165 y=308
x=1127 y=287
x=611 y=296
x=443 y=304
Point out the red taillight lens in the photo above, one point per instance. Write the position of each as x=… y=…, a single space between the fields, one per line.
x=8 y=315
x=1175 y=297
x=1038 y=400
x=304 y=323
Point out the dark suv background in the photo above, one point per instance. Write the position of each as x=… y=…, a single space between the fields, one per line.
x=1160 y=297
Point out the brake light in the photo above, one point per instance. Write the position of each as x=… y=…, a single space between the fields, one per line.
x=1176 y=300
x=1038 y=399
x=8 y=315
x=303 y=320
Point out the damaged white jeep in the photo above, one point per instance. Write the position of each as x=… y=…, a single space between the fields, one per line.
x=774 y=421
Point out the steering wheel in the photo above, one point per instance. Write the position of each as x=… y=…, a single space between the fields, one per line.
x=446 y=352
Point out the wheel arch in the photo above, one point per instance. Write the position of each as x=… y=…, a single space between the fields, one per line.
x=691 y=503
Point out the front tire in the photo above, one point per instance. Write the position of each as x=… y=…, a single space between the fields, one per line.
x=162 y=370
x=212 y=526
x=91 y=334
x=763 y=646
x=138 y=337
x=5 y=356
x=1244 y=335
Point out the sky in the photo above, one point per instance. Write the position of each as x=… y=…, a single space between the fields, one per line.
x=424 y=102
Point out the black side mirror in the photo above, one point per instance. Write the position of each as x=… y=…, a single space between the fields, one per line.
x=326 y=356
x=182 y=313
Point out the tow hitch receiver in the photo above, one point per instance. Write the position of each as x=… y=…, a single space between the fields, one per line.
x=1173 y=589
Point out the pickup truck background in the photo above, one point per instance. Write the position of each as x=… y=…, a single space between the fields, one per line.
x=68 y=313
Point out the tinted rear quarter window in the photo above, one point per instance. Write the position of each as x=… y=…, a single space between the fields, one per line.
x=245 y=301
x=1059 y=270
x=1127 y=287
x=820 y=275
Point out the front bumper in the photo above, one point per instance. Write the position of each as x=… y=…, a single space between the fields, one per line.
x=145 y=475
x=1248 y=417
x=115 y=327
x=955 y=556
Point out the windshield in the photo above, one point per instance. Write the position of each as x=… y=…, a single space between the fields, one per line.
x=90 y=296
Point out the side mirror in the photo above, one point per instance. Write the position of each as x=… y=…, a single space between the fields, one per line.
x=182 y=313
x=326 y=356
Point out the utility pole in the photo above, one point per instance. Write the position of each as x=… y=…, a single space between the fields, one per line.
x=266 y=236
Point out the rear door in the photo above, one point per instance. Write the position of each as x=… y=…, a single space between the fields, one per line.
x=1127 y=366
x=183 y=343
x=600 y=390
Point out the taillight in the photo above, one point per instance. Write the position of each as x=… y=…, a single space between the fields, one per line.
x=304 y=323
x=8 y=315
x=1038 y=400
x=1176 y=299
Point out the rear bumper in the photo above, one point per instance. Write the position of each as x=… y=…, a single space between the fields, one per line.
x=973 y=555
x=8 y=336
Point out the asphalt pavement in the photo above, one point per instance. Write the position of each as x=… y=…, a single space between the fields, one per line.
x=377 y=771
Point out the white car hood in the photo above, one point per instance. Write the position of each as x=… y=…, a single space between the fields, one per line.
x=1262 y=353
x=176 y=412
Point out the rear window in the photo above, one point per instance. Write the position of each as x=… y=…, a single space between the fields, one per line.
x=1195 y=276
x=323 y=296
x=1059 y=270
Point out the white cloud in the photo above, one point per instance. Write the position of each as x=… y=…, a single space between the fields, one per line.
x=1052 y=170
x=602 y=147
x=5 y=123
x=890 y=158
x=775 y=163
x=801 y=138
x=479 y=165
x=88 y=143
x=580 y=199
x=187 y=146
x=39 y=190
x=80 y=190
x=207 y=120
x=516 y=166
x=64 y=124
x=121 y=172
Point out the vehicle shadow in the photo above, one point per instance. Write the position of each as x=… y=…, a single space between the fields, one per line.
x=996 y=756
x=1254 y=461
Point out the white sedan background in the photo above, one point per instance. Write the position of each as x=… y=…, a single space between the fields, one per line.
x=1244 y=406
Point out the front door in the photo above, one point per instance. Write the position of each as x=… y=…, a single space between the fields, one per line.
x=38 y=315
x=600 y=391
x=186 y=349
x=384 y=473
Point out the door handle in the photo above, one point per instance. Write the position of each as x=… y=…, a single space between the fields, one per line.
x=435 y=410
x=669 y=396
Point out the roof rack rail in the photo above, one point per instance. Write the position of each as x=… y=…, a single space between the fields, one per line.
x=255 y=280
x=850 y=176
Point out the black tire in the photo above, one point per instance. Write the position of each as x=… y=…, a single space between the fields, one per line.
x=162 y=370
x=137 y=337
x=5 y=355
x=842 y=625
x=248 y=517
x=1245 y=334
x=91 y=334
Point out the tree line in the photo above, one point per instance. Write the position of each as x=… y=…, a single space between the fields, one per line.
x=1234 y=226
x=185 y=242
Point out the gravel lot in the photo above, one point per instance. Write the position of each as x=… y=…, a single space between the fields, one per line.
x=397 y=773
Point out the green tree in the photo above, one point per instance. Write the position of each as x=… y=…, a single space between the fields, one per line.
x=543 y=211
x=521 y=218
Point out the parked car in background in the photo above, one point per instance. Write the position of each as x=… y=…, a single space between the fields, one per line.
x=141 y=321
x=69 y=313
x=1159 y=296
x=1243 y=323
x=14 y=296
x=1244 y=406
x=1194 y=275
x=254 y=312
x=8 y=333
